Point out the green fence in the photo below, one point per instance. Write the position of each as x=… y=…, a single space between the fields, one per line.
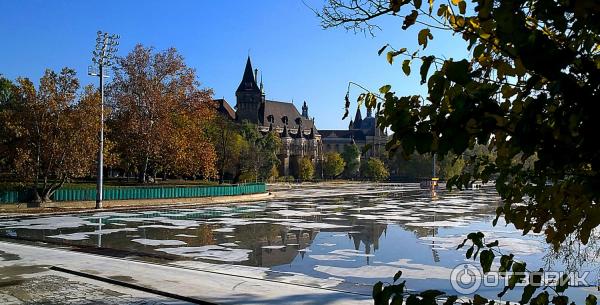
x=148 y=192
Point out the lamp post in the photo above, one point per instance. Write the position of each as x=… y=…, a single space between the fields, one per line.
x=106 y=47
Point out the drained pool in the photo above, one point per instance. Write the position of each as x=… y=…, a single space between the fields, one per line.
x=344 y=236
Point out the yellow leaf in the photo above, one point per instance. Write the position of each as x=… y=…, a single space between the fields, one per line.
x=456 y=2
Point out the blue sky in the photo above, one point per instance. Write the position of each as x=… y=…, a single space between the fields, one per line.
x=298 y=59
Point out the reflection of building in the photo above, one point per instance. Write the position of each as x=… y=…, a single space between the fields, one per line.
x=368 y=233
x=273 y=244
x=361 y=131
x=297 y=131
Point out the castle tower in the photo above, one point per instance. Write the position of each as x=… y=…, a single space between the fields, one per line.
x=357 y=119
x=305 y=110
x=249 y=97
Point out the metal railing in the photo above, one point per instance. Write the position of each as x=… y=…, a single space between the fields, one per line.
x=141 y=192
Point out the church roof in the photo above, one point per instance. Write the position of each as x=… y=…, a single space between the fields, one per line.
x=248 y=82
x=224 y=108
x=280 y=110
x=357 y=118
x=349 y=134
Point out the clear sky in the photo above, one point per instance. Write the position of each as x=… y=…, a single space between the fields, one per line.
x=298 y=59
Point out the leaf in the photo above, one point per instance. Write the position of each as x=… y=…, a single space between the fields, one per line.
x=492 y=244
x=395 y=5
x=397 y=275
x=563 y=283
x=486 y=258
x=427 y=60
x=385 y=89
x=527 y=294
x=462 y=244
x=470 y=252
x=410 y=19
x=422 y=37
x=377 y=289
x=591 y=300
x=406 y=66
x=458 y=71
x=382 y=49
x=392 y=54
x=417 y=3
x=456 y=2
x=346 y=105
x=479 y=300
x=450 y=300
x=462 y=7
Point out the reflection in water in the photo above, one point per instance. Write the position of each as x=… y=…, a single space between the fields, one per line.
x=343 y=236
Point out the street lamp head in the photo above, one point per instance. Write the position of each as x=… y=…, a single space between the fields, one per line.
x=105 y=48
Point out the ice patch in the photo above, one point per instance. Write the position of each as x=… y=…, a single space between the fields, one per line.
x=210 y=252
x=158 y=242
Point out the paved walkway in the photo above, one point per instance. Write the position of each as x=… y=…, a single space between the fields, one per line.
x=21 y=209
x=26 y=279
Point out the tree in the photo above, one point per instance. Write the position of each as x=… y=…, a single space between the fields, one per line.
x=228 y=144
x=333 y=165
x=351 y=156
x=259 y=155
x=306 y=169
x=7 y=109
x=375 y=170
x=160 y=116
x=416 y=167
x=529 y=87
x=53 y=132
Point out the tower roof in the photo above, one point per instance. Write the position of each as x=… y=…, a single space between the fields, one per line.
x=248 y=81
x=357 y=118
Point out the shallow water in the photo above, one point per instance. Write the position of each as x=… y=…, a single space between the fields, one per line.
x=344 y=236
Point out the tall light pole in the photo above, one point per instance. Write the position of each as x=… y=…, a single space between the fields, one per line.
x=106 y=47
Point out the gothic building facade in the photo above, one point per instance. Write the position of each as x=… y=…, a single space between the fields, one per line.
x=361 y=131
x=297 y=131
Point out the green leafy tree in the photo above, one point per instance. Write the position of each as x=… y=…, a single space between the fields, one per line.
x=229 y=144
x=351 y=156
x=259 y=155
x=306 y=169
x=333 y=165
x=374 y=169
x=528 y=87
x=416 y=167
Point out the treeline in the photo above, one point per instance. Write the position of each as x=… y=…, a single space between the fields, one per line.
x=159 y=123
x=352 y=164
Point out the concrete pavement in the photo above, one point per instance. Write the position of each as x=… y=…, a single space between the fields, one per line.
x=35 y=261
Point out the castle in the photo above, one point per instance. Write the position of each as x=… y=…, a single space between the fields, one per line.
x=297 y=131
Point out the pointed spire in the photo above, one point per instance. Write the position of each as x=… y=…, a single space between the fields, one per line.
x=350 y=126
x=305 y=110
x=357 y=118
x=248 y=80
x=285 y=133
x=262 y=88
x=369 y=112
x=299 y=132
x=311 y=136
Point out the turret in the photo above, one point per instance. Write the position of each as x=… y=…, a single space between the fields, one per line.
x=249 y=96
x=305 y=110
x=357 y=119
